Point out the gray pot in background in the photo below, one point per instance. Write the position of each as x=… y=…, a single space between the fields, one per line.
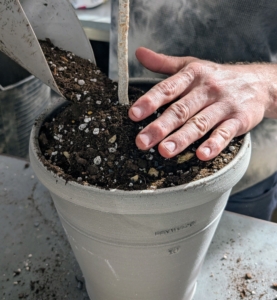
x=22 y=98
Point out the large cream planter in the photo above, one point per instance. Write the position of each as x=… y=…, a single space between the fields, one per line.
x=143 y=245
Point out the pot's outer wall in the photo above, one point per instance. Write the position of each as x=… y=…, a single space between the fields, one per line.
x=146 y=245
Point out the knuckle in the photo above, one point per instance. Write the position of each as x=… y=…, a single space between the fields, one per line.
x=159 y=129
x=224 y=133
x=187 y=74
x=180 y=111
x=201 y=123
x=216 y=146
x=150 y=102
x=213 y=85
x=242 y=121
x=195 y=69
x=167 y=88
x=208 y=75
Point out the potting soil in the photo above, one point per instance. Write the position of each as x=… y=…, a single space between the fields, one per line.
x=92 y=140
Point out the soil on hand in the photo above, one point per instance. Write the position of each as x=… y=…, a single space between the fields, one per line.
x=91 y=139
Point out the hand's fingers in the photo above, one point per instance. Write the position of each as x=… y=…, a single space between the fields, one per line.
x=161 y=63
x=173 y=117
x=196 y=128
x=162 y=93
x=219 y=139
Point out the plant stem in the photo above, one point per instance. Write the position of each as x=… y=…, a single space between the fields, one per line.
x=122 y=51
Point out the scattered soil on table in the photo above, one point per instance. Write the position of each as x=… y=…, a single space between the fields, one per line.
x=91 y=139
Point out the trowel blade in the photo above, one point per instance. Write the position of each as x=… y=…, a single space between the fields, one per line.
x=20 y=31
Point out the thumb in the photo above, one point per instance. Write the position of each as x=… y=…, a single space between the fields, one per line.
x=161 y=63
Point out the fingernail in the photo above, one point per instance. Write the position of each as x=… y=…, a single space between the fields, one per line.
x=137 y=112
x=206 y=151
x=145 y=138
x=170 y=146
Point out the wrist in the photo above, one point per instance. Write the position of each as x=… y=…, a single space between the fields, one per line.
x=271 y=75
x=267 y=75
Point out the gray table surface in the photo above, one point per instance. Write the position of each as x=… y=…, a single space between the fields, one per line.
x=36 y=261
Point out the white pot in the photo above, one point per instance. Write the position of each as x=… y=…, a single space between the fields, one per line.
x=146 y=245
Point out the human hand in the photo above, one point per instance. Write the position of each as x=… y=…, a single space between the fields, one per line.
x=229 y=99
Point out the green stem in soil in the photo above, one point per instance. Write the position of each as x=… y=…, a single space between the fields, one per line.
x=122 y=51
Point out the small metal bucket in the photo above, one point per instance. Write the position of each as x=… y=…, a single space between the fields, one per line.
x=22 y=98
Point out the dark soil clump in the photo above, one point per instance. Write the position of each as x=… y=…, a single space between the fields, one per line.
x=91 y=140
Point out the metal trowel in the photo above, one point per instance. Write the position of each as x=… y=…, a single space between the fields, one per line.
x=23 y=23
